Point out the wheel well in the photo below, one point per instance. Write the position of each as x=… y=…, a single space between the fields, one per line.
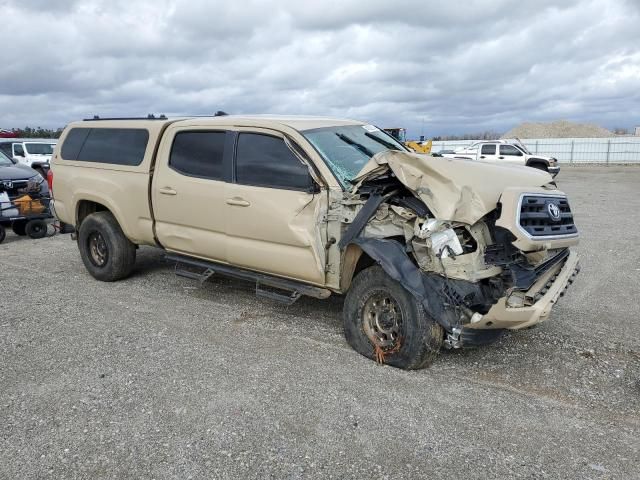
x=365 y=261
x=537 y=161
x=86 y=208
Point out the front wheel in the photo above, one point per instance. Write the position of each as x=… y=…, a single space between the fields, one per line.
x=386 y=323
x=106 y=252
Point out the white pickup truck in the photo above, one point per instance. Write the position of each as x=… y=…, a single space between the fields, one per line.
x=504 y=151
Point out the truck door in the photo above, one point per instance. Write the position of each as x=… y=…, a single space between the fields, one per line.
x=189 y=191
x=274 y=210
x=19 y=154
x=510 y=154
x=488 y=152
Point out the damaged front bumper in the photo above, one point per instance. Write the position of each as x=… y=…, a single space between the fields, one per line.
x=514 y=312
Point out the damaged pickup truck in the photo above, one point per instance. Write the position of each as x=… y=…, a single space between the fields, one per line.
x=427 y=251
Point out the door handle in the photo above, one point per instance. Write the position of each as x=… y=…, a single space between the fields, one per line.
x=481 y=156
x=167 y=191
x=238 y=202
x=501 y=158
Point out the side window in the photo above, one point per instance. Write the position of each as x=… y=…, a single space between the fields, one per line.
x=510 y=150
x=198 y=154
x=488 y=150
x=266 y=161
x=18 y=150
x=118 y=146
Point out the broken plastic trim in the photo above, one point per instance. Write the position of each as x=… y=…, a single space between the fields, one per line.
x=442 y=299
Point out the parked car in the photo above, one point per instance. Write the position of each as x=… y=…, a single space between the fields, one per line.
x=426 y=252
x=34 y=153
x=24 y=199
x=505 y=151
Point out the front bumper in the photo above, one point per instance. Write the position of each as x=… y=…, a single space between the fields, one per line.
x=504 y=315
x=554 y=170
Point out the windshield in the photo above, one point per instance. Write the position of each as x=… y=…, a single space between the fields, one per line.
x=346 y=149
x=39 y=148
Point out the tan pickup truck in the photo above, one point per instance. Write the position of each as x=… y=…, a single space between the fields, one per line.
x=427 y=251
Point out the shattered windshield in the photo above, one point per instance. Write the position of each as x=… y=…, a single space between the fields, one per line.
x=346 y=149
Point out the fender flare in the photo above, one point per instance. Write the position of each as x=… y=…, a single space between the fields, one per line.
x=537 y=160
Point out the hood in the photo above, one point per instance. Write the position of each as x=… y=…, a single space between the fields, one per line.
x=16 y=172
x=453 y=189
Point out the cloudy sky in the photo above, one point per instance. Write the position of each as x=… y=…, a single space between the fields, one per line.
x=448 y=67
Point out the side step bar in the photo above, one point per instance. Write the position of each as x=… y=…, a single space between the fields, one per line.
x=292 y=290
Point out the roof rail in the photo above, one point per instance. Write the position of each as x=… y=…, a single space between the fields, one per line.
x=148 y=117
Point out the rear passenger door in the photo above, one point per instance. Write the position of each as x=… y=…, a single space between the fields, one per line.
x=488 y=152
x=274 y=210
x=189 y=191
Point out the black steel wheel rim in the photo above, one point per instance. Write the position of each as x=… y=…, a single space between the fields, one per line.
x=98 y=250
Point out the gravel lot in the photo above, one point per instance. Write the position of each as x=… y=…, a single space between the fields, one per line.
x=155 y=377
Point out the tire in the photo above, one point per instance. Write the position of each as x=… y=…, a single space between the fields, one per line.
x=3 y=234
x=36 y=229
x=411 y=343
x=19 y=227
x=106 y=253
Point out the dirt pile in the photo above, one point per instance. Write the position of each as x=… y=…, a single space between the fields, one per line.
x=557 y=129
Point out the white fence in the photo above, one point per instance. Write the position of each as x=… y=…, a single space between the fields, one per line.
x=571 y=150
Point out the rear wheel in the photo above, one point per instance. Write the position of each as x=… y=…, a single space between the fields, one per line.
x=36 y=229
x=106 y=252
x=386 y=323
x=3 y=234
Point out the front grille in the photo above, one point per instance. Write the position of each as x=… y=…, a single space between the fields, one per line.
x=13 y=188
x=546 y=216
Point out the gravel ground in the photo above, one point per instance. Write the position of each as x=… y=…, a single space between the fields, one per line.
x=155 y=377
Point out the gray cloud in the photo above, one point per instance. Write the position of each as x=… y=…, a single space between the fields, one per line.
x=452 y=68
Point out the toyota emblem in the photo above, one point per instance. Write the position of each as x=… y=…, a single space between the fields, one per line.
x=554 y=211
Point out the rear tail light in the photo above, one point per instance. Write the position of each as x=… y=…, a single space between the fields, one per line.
x=50 y=181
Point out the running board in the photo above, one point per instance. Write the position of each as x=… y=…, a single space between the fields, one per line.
x=292 y=290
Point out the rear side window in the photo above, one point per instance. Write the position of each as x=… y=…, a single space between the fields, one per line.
x=266 y=161
x=199 y=154
x=488 y=150
x=118 y=146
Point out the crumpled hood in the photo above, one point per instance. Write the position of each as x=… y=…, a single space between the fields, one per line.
x=453 y=189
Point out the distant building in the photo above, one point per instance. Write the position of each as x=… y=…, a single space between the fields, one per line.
x=637 y=132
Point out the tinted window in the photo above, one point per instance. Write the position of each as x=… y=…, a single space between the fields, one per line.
x=73 y=143
x=18 y=150
x=509 y=150
x=266 y=161
x=198 y=154
x=120 y=146
x=488 y=150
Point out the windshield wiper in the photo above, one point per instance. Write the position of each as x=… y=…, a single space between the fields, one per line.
x=355 y=144
x=389 y=145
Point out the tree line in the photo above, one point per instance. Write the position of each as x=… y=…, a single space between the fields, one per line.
x=37 y=132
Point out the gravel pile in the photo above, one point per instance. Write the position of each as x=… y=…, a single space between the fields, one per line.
x=558 y=129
